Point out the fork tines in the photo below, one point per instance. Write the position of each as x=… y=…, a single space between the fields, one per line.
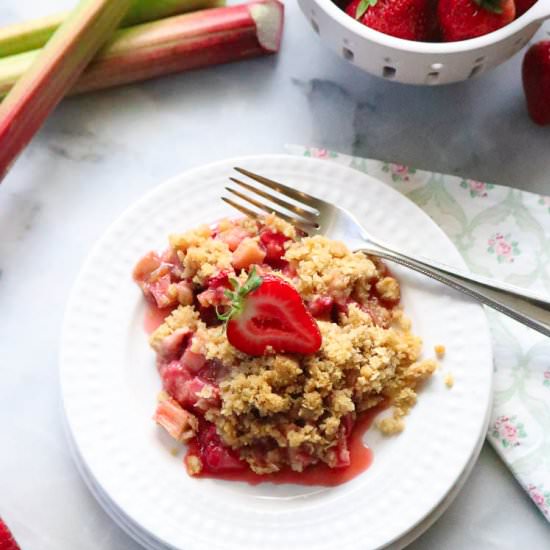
x=303 y=216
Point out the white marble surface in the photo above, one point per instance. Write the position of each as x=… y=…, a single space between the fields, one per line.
x=99 y=153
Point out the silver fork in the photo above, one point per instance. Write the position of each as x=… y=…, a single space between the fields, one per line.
x=315 y=216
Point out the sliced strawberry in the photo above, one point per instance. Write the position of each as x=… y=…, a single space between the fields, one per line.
x=269 y=312
x=7 y=542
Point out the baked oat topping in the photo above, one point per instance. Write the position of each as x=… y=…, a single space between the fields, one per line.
x=277 y=410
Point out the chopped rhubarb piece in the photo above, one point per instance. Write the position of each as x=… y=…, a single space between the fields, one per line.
x=343 y=458
x=184 y=293
x=174 y=379
x=233 y=237
x=274 y=244
x=248 y=252
x=173 y=346
x=179 y=423
x=199 y=394
x=161 y=292
x=145 y=267
x=193 y=361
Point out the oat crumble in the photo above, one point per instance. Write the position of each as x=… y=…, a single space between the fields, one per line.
x=279 y=410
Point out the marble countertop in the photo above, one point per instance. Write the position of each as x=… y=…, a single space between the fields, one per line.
x=99 y=153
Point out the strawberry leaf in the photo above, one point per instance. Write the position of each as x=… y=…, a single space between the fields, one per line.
x=363 y=6
x=238 y=295
x=494 y=6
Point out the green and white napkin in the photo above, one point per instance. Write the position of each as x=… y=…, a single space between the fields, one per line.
x=502 y=233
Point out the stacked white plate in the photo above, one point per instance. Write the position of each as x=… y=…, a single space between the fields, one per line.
x=109 y=386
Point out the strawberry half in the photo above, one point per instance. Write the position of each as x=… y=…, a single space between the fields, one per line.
x=7 y=542
x=269 y=312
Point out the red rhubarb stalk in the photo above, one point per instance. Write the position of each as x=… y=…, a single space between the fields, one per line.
x=171 y=45
x=54 y=72
x=32 y=35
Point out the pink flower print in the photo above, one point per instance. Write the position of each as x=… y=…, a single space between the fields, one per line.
x=503 y=247
x=476 y=188
x=398 y=172
x=506 y=430
x=546 y=381
x=540 y=497
x=320 y=153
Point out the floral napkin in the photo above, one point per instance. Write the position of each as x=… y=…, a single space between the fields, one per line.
x=502 y=233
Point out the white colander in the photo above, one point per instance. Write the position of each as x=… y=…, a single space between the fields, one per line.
x=420 y=62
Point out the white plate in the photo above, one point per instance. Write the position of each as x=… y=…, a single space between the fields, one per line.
x=109 y=384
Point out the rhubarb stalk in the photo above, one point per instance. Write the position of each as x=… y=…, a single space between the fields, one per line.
x=32 y=35
x=53 y=72
x=174 y=44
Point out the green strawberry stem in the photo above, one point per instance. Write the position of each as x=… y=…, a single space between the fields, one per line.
x=31 y=35
x=494 y=6
x=238 y=294
x=53 y=72
x=178 y=43
x=363 y=6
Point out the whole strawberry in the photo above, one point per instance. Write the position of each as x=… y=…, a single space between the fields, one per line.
x=464 y=19
x=408 y=19
x=7 y=542
x=523 y=5
x=536 y=82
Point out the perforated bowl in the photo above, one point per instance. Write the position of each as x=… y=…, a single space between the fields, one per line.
x=420 y=62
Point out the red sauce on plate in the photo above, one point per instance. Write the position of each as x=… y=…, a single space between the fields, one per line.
x=360 y=455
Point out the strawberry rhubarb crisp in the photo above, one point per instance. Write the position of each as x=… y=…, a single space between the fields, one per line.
x=274 y=345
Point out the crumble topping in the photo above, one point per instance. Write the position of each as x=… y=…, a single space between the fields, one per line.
x=279 y=410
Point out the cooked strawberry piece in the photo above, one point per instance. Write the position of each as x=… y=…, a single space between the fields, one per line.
x=179 y=423
x=7 y=542
x=215 y=456
x=213 y=371
x=248 y=253
x=321 y=307
x=274 y=244
x=272 y=316
x=220 y=280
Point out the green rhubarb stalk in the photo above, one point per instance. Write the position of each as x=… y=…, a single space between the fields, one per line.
x=53 y=72
x=174 y=44
x=31 y=35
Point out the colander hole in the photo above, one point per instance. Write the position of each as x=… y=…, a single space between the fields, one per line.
x=389 y=72
x=315 y=26
x=479 y=60
x=347 y=53
x=518 y=41
x=432 y=78
x=475 y=71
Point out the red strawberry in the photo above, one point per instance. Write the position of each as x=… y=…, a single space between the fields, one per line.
x=523 y=5
x=7 y=542
x=536 y=82
x=408 y=19
x=464 y=19
x=266 y=312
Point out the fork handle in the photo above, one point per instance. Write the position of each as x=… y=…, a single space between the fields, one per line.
x=527 y=308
